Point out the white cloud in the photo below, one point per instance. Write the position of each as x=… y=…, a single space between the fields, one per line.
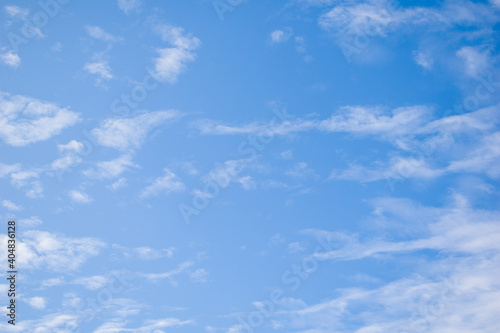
x=295 y=247
x=37 y=302
x=300 y=43
x=172 y=61
x=111 y=169
x=57 y=47
x=11 y=59
x=79 y=197
x=476 y=62
x=24 y=120
x=33 y=221
x=181 y=268
x=101 y=69
x=479 y=156
x=28 y=180
x=281 y=36
x=147 y=253
x=454 y=229
x=72 y=157
x=148 y=327
x=130 y=133
x=362 y=120
x=120 y=183
x=316 y=3
x=16 y=11
x=6 y=169
x=349 y=119
x=57 y=322
x=10 y=205
x=226 y=173
x=480 y=121
x=247 y=183
x=358 y=26
x=44 y=250
x=199 y=276
x=92 y=282
x=52 y=282
x=411 y=129
x=144 y=252
x=188 y=167
x=483 y=158
x=379 y=17
x=98 y=33
x=287 y=154
x=123 y=307
x=65 y=162
x=166 y=184
x=283 y=128
x=423 y=59
x=434 y=296
x=73 y=145
x=129 y=5
x=397 y=168
x=301 y=170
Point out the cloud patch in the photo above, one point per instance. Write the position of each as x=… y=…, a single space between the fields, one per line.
x=25 y=120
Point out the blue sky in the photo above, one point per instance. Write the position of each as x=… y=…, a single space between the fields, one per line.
x=232 y=166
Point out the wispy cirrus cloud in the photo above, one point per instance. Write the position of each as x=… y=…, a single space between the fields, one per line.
x=181 y=268
x=99 y=33
x=129 y=133
x=405 y=128
x=432 y=296
x=111 y=169
x=16 y=11
x=164 y=184
x=79 y=197
x=128 y=6
x=143 y=252
x=10 y=205
x=476 y=61
x=149 y=326
x=350 y=119
x=384 y=16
